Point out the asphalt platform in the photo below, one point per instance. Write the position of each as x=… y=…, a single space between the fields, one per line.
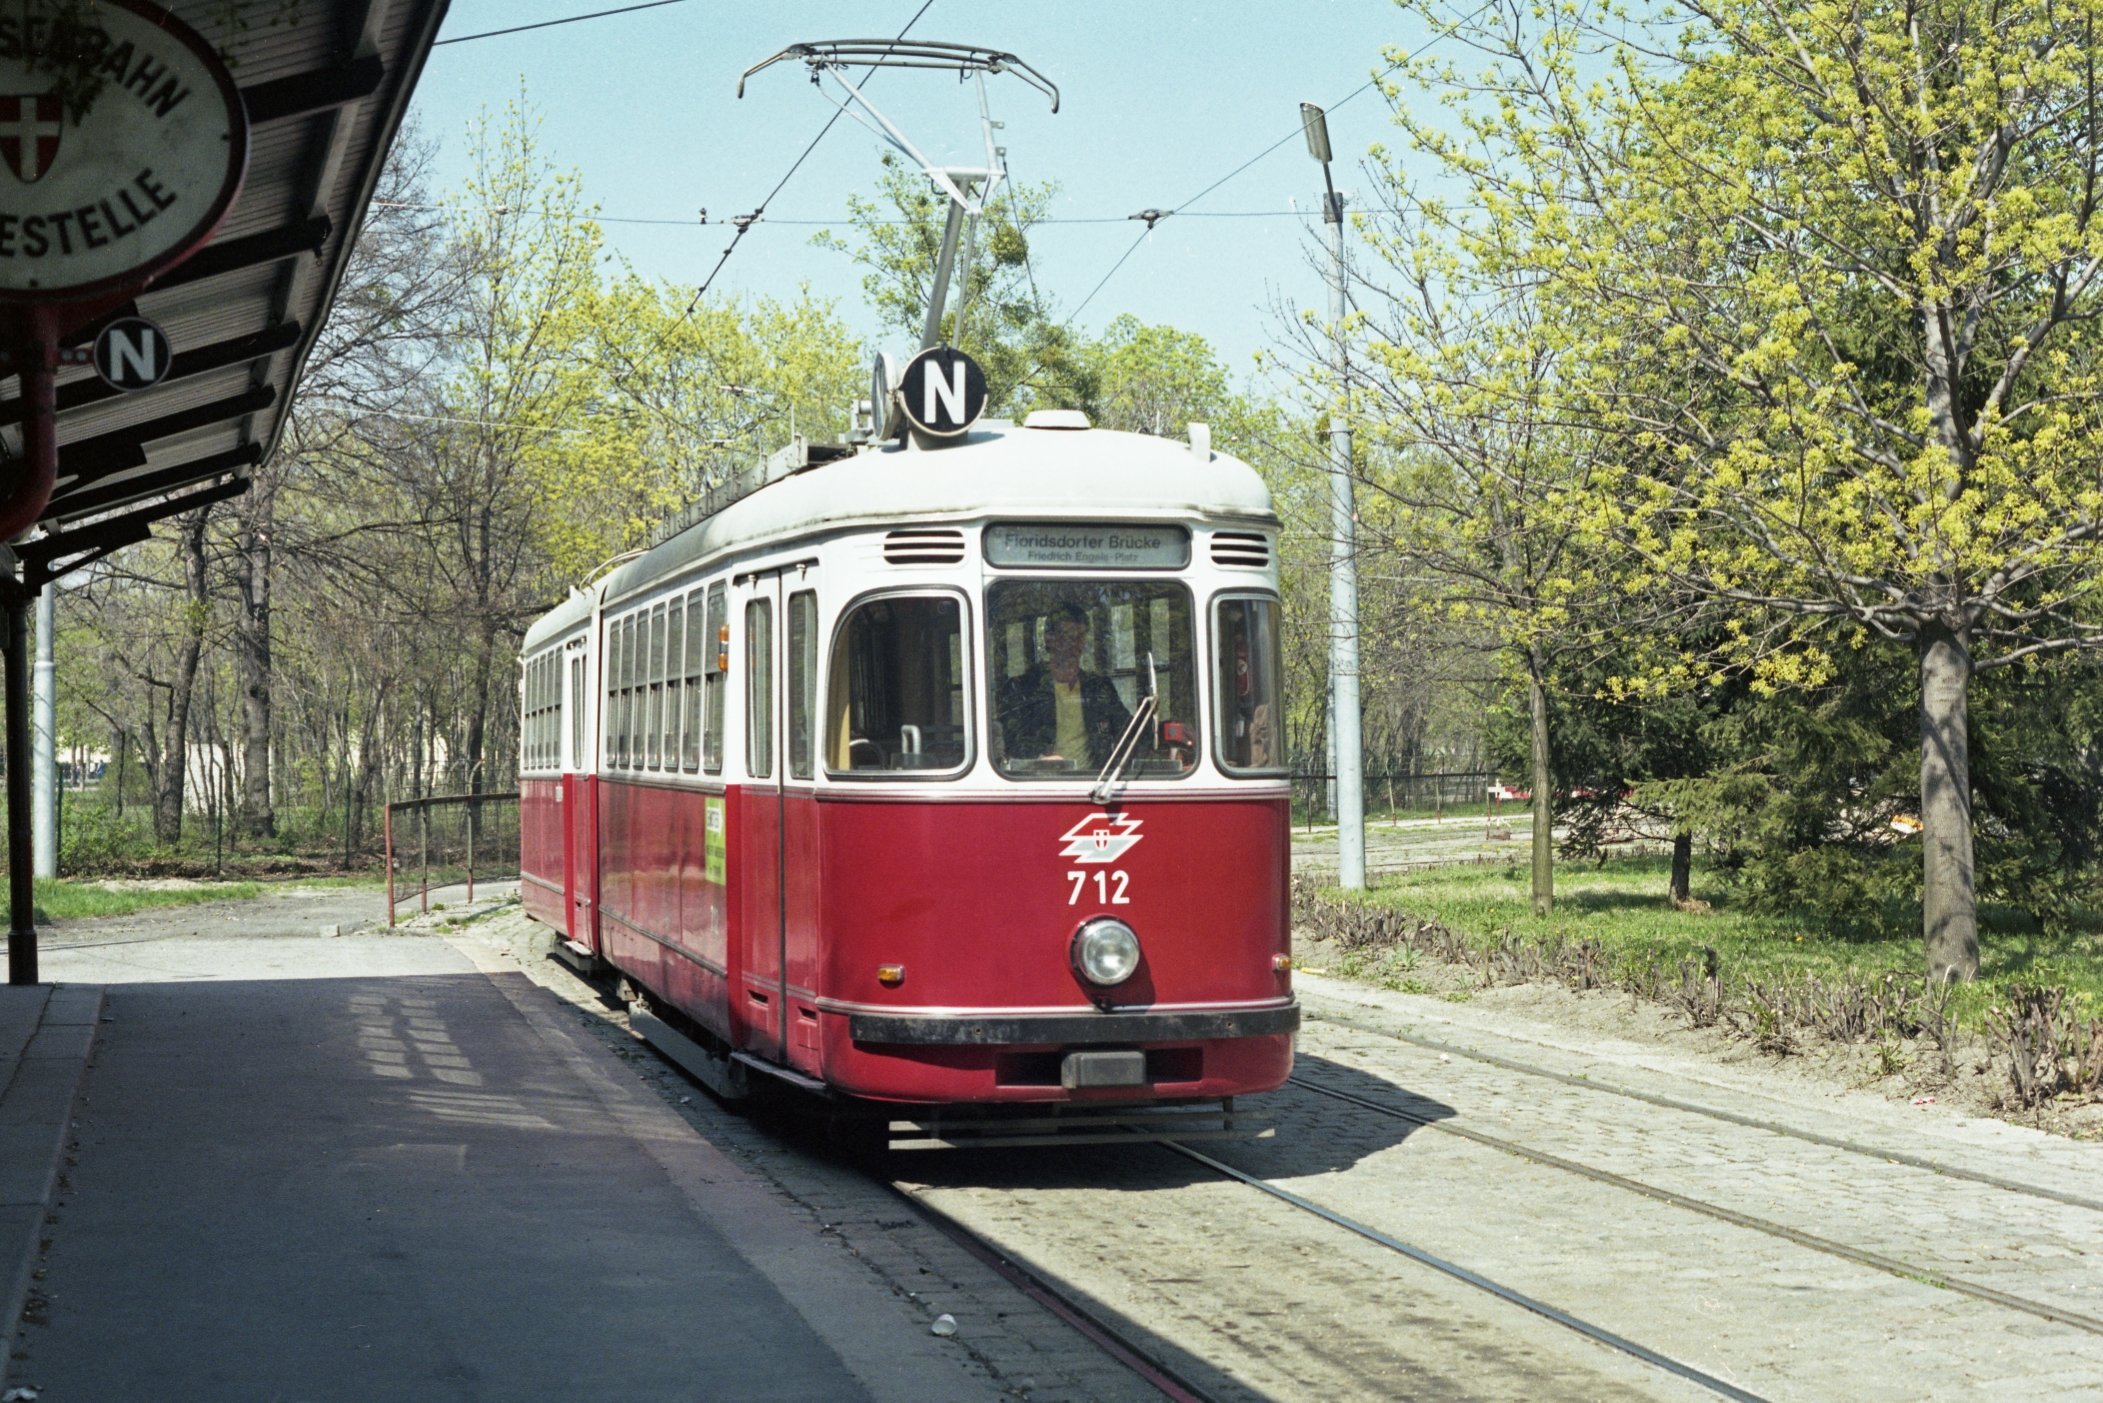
x=246 y=1158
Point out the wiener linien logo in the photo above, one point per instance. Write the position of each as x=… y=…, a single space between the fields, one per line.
x=1100 y=838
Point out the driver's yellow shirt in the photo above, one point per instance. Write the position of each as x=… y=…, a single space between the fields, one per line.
x=1072 y=738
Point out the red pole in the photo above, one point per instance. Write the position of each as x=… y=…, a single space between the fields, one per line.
x=36 y=360
x=387 y=828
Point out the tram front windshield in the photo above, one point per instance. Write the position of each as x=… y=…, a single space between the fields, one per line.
x=1072 y=664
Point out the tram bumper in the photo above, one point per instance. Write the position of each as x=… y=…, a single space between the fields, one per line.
x=1121 y=1026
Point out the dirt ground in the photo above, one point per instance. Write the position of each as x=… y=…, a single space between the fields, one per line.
x=1969 y=1080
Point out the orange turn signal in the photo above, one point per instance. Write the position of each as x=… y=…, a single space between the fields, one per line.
x=890 y=976
x=1281 y=963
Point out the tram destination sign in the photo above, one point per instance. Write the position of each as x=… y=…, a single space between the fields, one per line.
x=125 y=142
x=1074 y=546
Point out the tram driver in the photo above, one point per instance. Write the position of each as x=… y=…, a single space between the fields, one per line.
x=1055 y=711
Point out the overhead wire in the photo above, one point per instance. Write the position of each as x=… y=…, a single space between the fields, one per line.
x=745 y=222
x=704 y=222
x=1178 y=210
x=551 y=23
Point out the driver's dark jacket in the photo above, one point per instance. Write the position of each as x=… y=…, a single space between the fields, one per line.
x=1028 y=715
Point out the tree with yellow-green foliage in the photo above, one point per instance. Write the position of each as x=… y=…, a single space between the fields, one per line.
x=1826 y=278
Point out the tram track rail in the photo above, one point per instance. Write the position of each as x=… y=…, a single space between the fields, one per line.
x=1947 y=1171
x=1475 y=1279
x=1860 y=1256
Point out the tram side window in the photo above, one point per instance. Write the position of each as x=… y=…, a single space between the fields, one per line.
x=630 y=650
x=551 y=690
x=690 y=695
x=895 y=702
x=653 y=688
x=609 y=711
x=577 y=712
x=546 y=727
x=540 y=719
x=674 y=670
x=1072 y=662
x=803 y=682
x=759 y=688
x=1245 y=680
x=717 y=660
x=540 y=712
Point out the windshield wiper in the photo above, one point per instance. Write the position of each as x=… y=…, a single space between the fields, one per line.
x=1128 y=744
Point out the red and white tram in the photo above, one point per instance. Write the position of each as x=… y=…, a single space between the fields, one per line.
x=947 y=774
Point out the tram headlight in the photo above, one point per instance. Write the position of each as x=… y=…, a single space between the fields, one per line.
x=1105 y=951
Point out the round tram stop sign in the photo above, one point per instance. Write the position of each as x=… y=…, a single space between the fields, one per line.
x=124 y=141
x=942 y=391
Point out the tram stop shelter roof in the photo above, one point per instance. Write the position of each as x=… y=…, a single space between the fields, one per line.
x=326 y=83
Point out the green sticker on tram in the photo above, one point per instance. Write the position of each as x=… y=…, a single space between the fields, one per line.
x=712 y=842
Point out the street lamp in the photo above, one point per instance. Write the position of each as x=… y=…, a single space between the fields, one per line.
x=1343 y=571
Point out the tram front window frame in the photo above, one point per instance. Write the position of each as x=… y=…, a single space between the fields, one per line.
x=847 y=705
x=1112 y=662
x=1248 y=688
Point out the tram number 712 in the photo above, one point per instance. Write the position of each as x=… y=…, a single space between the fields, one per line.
x=1109 y=887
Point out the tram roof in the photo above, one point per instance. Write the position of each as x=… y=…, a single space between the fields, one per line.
x=325 y=83
x=1001 y=470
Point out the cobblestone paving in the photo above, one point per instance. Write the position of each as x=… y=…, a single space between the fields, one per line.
x=1252 y=1299
x=1785 y=1321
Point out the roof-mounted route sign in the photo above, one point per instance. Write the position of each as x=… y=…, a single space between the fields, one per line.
x=125 y=141
x=942 y=392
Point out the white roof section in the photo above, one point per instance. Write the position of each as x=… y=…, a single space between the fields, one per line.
x=563 y=619
x=998 y=471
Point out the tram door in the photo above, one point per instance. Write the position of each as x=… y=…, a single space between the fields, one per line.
x=778 y=873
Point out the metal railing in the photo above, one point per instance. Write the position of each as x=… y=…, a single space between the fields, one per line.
x=1435 y=791
x=468 y=835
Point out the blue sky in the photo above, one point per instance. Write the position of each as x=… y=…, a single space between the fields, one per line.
x=1159 y=100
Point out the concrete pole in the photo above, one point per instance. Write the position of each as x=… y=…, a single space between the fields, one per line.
x=44 y=801
x=1343 y=588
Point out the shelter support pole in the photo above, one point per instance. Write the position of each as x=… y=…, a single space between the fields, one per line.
x=21 y=875
x=44 y=773
x=34 y=353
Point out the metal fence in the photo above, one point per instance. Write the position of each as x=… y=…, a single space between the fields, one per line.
x=449 y=841
x=1435 y=792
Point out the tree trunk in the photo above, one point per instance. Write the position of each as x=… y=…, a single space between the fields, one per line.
x=1677 y=889
x=252 y=661
x=174 y=763
x=1543 y=793
x=1949 y=900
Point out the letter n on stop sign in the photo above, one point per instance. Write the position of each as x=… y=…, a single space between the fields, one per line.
x=942 y=391
x=132 y=353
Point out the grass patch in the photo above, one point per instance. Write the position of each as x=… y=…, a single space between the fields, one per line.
x=1622 y=905
x=64 y=900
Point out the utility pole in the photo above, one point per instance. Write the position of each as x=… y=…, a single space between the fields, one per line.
x=1343 y=567
x=44 y=803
